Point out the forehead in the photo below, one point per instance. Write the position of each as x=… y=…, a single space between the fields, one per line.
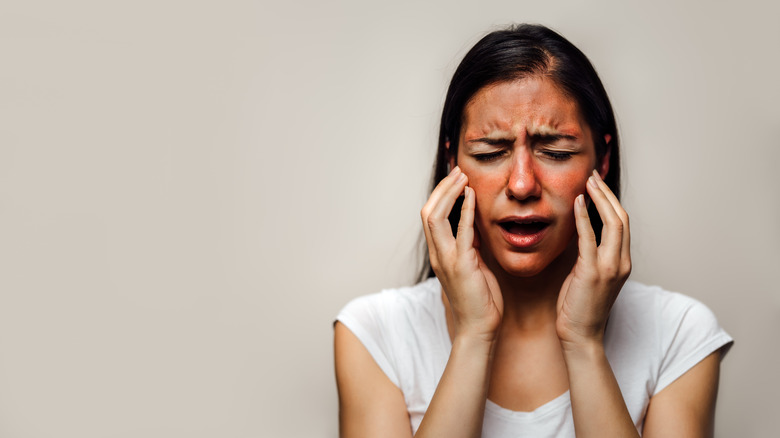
x=533 y=104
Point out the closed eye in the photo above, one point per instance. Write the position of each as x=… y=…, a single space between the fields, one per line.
x=555 y=155
x=490 y=156
x=546 y=140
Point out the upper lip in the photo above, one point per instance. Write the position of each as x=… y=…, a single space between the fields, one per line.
x=525 y=219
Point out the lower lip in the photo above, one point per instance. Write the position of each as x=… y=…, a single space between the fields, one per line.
x=523 y=240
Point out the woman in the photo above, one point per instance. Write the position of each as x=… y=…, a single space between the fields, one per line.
x=528 y=327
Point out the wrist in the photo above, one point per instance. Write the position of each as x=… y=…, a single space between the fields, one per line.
x=583 y=349
x=480 y=331
x=474 y=343
x=580 y=339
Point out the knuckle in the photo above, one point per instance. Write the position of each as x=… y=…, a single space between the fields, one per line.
x=626 y=267
x=611 y=272
x=618 y=225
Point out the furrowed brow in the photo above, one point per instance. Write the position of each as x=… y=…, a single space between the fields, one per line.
x=550 y=138
x=491 y=141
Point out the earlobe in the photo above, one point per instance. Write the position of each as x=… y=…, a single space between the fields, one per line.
x=603 y=166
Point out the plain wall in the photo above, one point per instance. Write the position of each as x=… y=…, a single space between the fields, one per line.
x=191 y=190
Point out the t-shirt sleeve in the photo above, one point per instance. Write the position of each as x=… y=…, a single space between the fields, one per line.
x=363 y=316
x=693 y=334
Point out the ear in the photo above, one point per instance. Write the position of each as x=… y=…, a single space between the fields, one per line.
x=603 y=166
x=452 y=157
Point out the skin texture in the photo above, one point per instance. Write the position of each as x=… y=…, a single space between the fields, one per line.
x=531 y=180
x=526 y=320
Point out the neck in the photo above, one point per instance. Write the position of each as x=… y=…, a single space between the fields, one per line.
x=530 y=303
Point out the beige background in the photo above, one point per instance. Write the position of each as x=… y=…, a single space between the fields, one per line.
x=191 y=190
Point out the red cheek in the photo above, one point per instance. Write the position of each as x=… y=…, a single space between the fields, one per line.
x=568 y=182
x=483 y=183
x=486 y=189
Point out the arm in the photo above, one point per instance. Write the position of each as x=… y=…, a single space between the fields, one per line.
x=584 y=303
x=458 y=405
x=370 y=405
x=686 y=408
x=597 y=404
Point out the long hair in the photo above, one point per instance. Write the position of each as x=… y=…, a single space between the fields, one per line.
x=514 y=53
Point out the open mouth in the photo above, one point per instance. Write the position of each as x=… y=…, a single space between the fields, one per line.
x=524 y=233
x=524 y=227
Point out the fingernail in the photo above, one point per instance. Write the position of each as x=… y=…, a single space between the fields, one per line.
x=581 y=200
x=455 y=170
x=462 y=177
x=592 y=182
x=596 y=174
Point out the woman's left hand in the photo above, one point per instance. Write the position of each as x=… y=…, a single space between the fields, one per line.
x=590 y=290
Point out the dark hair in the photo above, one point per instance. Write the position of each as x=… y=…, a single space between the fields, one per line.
x=514 y=53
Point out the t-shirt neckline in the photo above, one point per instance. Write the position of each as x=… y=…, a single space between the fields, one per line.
x=551 y=406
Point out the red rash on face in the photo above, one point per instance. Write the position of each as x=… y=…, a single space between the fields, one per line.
x=527 y=152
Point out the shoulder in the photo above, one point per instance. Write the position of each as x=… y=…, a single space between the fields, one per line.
x=652 y=303
x=663 y=311
x=396 y=324
x=670 y=330
x=390 y=304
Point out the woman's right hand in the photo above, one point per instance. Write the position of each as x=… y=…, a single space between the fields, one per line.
x=471 y=288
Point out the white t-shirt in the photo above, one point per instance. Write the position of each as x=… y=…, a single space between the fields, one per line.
x=652 y=338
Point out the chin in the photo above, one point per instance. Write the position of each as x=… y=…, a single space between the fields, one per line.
x=524 y=264
x=531 y=264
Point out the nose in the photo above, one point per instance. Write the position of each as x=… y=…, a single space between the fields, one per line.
x=523 y=183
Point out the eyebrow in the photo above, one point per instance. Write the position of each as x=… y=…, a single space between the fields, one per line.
x=491 y=141
x=553 y=137
x=537 y=137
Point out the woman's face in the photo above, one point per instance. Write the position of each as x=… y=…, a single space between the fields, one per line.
x=527 y=153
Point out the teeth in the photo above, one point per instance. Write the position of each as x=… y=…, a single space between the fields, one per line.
x=526 y=222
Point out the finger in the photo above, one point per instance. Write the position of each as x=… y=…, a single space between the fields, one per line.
x=436 y=210
x=621 y=212
x=476 y=242
x=438 y=220
x=428 y=208
x=612 y=233
x=441 y=189
x=492 y=282
x=434 y=198
x=465 y=238
x=586 y=239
